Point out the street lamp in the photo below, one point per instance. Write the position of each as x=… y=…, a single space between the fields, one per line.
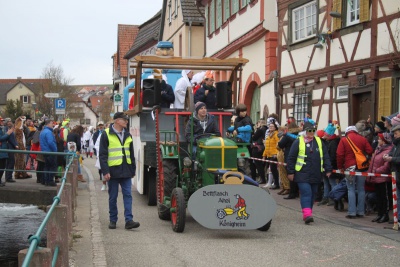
x=34 y=110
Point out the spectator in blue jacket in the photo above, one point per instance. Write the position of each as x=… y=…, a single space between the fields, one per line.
x=48 y=144
x=242 y=127
x=4 y=136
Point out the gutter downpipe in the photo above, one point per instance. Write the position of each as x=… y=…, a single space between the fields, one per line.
x=190 y=38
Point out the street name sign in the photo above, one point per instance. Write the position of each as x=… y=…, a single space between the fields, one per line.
x=52 y=95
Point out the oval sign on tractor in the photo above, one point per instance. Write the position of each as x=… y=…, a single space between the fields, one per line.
x=235 y=207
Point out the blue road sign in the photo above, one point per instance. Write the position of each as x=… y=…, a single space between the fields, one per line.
x=60 y=103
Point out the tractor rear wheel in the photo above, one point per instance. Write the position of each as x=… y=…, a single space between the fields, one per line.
x=265 y=227
x=178 y=210
x=169 y=175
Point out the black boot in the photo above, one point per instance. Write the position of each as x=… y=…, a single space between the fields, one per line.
x=384 y=218
x=341 y=205
x=336 y=206
x=377 y=218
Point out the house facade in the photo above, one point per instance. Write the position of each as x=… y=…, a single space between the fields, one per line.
x=339 y=59
x=183 y=26
x=246 y=29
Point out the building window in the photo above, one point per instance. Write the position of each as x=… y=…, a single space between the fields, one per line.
x=25 y=99
x=304 y=21
x=85 y=121
x=212 y=16
x=302 y=104
x=219 y=14
x=235 y=6
x=353 y=12
x=342 y=92
x=227 y=9
x=350 y=12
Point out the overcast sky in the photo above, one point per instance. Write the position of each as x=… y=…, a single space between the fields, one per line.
x=78 y=35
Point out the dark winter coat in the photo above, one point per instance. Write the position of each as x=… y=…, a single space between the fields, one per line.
x=378 y=165
x=395 y=163
x=211 y=127
x=167 y=95
x=124 y=170
x=95 y=136
x=210 y=99
x=257 y=147
x=4 y=137
x=345 y=156
x=311 y=171
x=74 y=137
x=287 y=140
x=332 y=145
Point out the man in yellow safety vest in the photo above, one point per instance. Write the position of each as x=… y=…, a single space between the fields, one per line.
x=118 y=166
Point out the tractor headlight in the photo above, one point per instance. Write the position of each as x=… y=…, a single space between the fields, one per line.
x=241 y=162
x=187 y=162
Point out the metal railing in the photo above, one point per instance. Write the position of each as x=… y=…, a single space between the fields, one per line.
x=34 y=240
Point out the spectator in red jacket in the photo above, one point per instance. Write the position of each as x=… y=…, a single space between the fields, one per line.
x=378 y=165
x=346 y=160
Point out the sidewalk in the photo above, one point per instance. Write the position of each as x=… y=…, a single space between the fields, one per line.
x=328 y=213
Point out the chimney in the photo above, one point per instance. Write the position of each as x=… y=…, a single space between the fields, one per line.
x=19 y=78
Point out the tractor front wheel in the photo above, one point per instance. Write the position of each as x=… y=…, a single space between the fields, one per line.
x=168 y=182
x=178 y=210
x=265 y=227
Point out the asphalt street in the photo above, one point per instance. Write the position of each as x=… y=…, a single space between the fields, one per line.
x=331 y=241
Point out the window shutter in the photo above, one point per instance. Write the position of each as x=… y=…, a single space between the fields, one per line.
x=21 y=98
x=364 y=10
x=385 y=97
x=337 y=22
x=219 y=14
x=29 y=99
x=212 y=17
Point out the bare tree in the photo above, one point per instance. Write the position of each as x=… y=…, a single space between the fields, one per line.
x=59 y=84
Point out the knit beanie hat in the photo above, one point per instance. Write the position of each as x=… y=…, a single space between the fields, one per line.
x=320 y=133
x=330 y=129
x=198 y=106
x=386 y=137
x=396 y=120
x=381 y=126
x=351 y=128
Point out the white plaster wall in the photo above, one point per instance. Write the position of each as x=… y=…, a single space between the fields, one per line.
x=343 y=113
x=319 y=58
x=301 y=57
x=337 y=56
x=323 y=118
x=267 y=96
x=395 y=26
x=286 y=65
x=317 y=93
x=364 y=45
x=390 y=6
x=385 y=45
x=236 y=28
x=285 y=30
x=270 y=15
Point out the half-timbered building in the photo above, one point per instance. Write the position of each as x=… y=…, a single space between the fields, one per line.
x=339 y=59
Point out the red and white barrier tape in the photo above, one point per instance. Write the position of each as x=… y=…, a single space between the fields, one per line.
x=335 y=171
x=395 y=213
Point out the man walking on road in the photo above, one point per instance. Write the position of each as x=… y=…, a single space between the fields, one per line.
x=117 y=163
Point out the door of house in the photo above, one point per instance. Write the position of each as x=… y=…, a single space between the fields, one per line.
x=362 y=103
x=255 y=105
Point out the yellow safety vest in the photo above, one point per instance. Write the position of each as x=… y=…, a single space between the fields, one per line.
x=302 y=153
x=116 y=150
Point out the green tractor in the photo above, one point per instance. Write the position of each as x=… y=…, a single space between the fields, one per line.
x=180 y=173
